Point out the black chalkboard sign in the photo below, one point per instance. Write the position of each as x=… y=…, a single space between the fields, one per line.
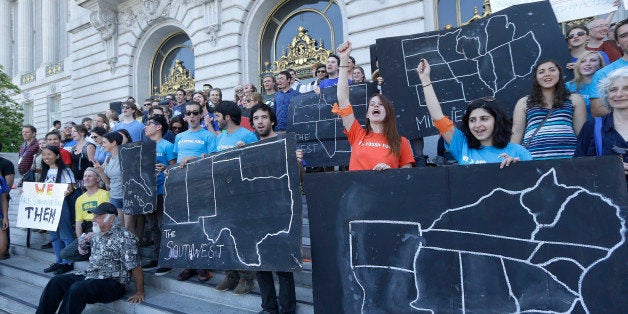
x=493 y=56
x=238 y=209
x=536 y=237
x=137 y=162
x=319 y=132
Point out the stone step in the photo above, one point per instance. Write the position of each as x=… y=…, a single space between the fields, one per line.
x=162 y=295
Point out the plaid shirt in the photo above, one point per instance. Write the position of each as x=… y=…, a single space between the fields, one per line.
x=113 y=255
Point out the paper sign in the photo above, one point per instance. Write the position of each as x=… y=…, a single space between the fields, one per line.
x=40 y=205
x=565 y=10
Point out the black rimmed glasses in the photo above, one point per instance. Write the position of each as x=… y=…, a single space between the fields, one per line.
x=321 y=71
x=190 y=113
x=578 y=34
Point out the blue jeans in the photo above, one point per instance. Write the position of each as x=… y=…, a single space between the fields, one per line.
x=64 y=234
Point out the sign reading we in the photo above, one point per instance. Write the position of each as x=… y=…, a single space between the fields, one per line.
x=40 y=205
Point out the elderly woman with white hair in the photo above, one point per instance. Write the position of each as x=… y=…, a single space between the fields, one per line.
x=608 y=135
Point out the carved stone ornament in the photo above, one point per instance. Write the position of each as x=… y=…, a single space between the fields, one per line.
x=153 y=9
x=105 y=22
x=213 y=21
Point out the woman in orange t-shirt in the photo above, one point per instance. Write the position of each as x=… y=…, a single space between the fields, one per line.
x=380 y=146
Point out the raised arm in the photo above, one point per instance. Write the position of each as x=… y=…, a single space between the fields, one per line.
x=579 y=113
x=433 y=105
x=342 y=89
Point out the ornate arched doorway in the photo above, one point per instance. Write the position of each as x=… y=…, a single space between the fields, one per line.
x=297 y=34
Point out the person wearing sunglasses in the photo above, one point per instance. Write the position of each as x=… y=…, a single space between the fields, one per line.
x=194 y=143
x=129 y=123
x=484 y=134
x=547 y=121
x=577 y=37
x=379 y=146
x=100 y=154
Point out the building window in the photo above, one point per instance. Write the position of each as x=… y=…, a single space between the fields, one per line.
x=174 y=55
x=28 y=112
x=455 y=13
x=321 y=19
x=54 y=109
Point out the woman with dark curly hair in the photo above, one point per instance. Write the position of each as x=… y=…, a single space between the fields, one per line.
x=484 y=134
x=547 y=121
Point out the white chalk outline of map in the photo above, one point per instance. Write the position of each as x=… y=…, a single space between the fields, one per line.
x=336 y=120
x=200 y=219
x=552 y=172
x=481 y=46
x=144 y=186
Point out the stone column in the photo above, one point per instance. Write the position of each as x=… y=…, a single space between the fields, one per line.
x=50 y=31
x=6 y=29
x=25 y=36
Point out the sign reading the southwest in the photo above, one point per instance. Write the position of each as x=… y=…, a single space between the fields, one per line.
x=40 y=205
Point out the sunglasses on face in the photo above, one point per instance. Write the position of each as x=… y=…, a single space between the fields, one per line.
x=321 y=71
x=126 y=107
x=189 y=113
x=158 y=115
x=578 y=34
x=177 y=128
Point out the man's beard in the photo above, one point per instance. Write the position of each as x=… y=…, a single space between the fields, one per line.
x=264 y=133
x=96 y=229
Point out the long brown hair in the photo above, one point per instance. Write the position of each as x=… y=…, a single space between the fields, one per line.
x=561 y=93
x=390 y=125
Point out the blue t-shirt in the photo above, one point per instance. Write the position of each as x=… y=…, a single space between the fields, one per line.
x=603 y=73
x=331 y=83
x=194 y=143
x=135 y=129
x=165 y=153
x=282 y=102
x=101 y=154
x=178 y=111
x=584 y=91
x=459 y=148
x=226 y=140
x=4 y=188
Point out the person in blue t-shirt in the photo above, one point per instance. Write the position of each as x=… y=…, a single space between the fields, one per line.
x=228 y=116
x=283 y=96
x=129 y=123
x=486 y=130
x=156 y=128
x=196 y=141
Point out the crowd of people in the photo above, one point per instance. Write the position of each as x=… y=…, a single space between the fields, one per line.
x=555 y=120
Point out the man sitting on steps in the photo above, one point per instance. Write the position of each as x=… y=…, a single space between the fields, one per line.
x=114 y=259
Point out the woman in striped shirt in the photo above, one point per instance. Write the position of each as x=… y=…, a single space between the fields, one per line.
x=548 y=120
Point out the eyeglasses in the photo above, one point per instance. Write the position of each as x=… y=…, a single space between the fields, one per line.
x=148 y=104
x=158 y=115
x=189 y=113
x=176 y=128
x=578 y=34
x=126 y=107
x=95 y=136
x=321 y=71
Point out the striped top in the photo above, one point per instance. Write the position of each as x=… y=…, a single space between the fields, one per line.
x=556 y=138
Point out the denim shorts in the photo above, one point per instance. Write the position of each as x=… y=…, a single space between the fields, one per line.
x=117 y=202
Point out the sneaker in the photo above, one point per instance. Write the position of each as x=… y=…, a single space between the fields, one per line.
x=46 y=246
x=186 y=274
x=52 y=267
x=64 y=269
x=227 y=284
x=150 y=265
x=204 y=275
x=244 y=287
x=162 y=271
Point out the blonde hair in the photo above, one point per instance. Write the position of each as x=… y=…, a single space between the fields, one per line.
x=578 y=78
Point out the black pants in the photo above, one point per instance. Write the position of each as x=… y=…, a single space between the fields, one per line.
x=74 y=292
x=287 y=296
x=156 y=220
